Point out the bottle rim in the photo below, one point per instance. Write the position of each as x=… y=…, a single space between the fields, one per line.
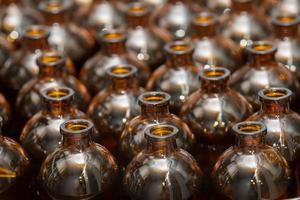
x=121 y=71
x=205 y=19
x=179 y=47
x=262 y=47
x=161 y=131
x=57 y=93
x=55 y=7
x=275 y=93
x=138 y=9
x=76 y=126
x=249 y=128
x=112 y=36
x=154 y=98
x=51 y=58
x=286 y=20
x=36 y=32
x=214 y=73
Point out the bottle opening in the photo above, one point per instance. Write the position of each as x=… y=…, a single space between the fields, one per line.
x=154 y=98
x=138 y=8
x=179 y=47
x=122 y=71
x=262 y=47
x=161 y=131
x=249 y=128
x=76 y=126
x=54 y=6
x=51 y=58
x=204 y=19
x=113 y=36
x=286 y=20
x=57 y=93
x=215 y=73
x=275 y=93
x=36 y=31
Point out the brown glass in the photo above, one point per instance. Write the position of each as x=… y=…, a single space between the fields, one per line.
x=79 y=168
x=5 y=110
x=14 y=164
x=51 y=73
x=211 y=111
x=287 y=41
x=41 y=135
x=14 y=17
x=113 y=53
x=261 y=72
x=219 y=7
x=178 y=76
x=154 y=110
x=66 y=36
x=251 y=169
x=211 y=49
x=243 y=24
x=99 y=15
x=162 y=170
x=112 y=108
x=6 y=50
x=142 y=41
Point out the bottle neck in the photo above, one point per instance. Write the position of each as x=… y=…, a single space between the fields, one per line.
x=249 y=143
x=282 y=31
x=154 y=111
x=56 y=11
x=79 y=140
x=32 y=45
x=51 y=71
x=263 y=60
x=163 y=146
x=58 y=108
x=239 y=6
x=204 y=25
x=214 y=80
x=179 y=60
x=123 y=84
x=112 y=48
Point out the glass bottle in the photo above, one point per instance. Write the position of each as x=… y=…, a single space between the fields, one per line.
x=162 y=170
x=22 y=67
x=211 y=111
x=178 y=76
x=210 y=47
x=113 y=53
x=287 y=42
x=14 y=164
x=274 y=8
x=262 y=71
x=112 y=108
x=251 y=169
x=79 y=168
x=142 y=41
x=65 y=36
x=41 y=135
x=219 y=7
x=172 y=21
x=99 y=15
x=51 y=74
x=243 y=25
x=154 y=110
x=14 y=17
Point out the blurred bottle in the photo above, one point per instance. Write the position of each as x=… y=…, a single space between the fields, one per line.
x=251 y=169
x=178 y=76
x=98 y=15
x=219 y=7
x=51 y=74
x=79 y=168
x=261 y=72
x=14 y=164
x=211 y=111
x=275 y=8
x=145 y=176
x=65 y=36
x=211 y=49
x=113 y=53
x=142 y=41
x=22 y=66
x=113 y=107
x=14 y=17
x=287 y=42
x=154 y=110
x=41 y=135
x=243 y=25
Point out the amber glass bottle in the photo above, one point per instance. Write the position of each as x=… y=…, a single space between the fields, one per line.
x=211 y=111
x=114 y=106
x=251 y=169
x=287 y=41
x=99 y=15
x=14 y=164
x=261 y=72
x=154 y=110
x=14 y=16
x=243 y=25
x=210 y=47
x=41 y=135
x=142 y=41
x=51 y=73
x=113 y=53
x=79 y=168
x=145 y=176
x=178 y=76
x=274 y=8
x=65 y=36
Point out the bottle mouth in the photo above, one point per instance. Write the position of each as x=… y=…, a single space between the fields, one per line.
x=138 y=9
x=204 y=19
x=262 y=47
x=275 y=94
x=55 y=7
x=122 y=71
x=161 y=131
x=179 y=47
x=154 y=98
x=249 y=128
x=76 y=126
x=36 y=32
x=286 y=20
x=214 y=73
x=57 y=93
x=112 y=36
x=51 y=59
